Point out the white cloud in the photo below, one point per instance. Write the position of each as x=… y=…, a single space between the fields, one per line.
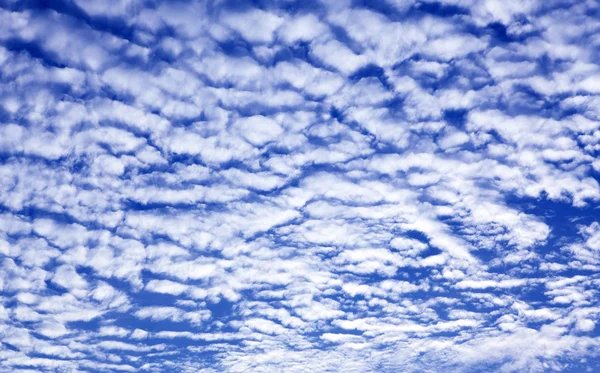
x=166 y=287
x=258 y=129
x=256 y=25
x=303 y=28
x=265 y=326
x=335 y=54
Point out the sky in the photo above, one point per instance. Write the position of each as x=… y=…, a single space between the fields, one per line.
x=300 y=186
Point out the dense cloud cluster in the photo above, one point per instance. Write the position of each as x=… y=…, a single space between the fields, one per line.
x=299 y=186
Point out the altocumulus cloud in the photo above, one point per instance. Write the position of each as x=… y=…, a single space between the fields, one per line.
x=299 y=186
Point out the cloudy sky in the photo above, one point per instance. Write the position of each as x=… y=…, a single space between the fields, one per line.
x=300 y=186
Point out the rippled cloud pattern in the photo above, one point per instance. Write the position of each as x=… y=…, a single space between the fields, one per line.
x=300 y=186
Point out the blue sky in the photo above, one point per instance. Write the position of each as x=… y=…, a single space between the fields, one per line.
x=299 y=186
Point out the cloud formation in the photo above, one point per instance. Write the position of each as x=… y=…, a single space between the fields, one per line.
x=293 y=186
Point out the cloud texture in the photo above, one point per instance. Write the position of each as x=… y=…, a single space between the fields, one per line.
x=299 y=186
